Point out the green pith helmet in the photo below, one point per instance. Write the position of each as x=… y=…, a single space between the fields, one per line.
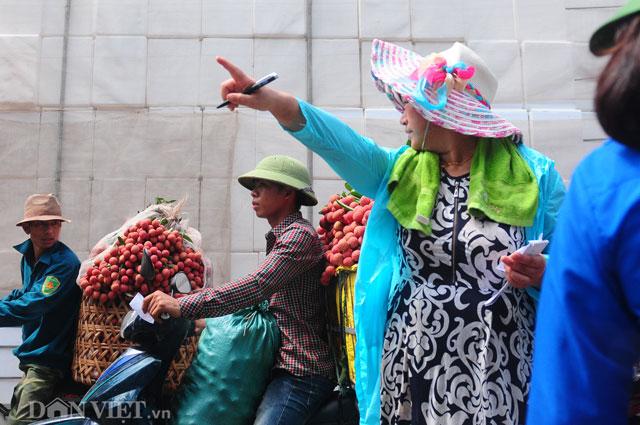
x=284 y=170
x=604 y=37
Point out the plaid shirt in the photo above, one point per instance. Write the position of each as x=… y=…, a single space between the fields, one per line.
x=289 y=279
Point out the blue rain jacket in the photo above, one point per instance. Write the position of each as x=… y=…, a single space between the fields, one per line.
x=588 y=324
x=366 y=166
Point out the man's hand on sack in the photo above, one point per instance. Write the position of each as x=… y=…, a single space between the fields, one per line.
x=158 y=303
x=200 y=325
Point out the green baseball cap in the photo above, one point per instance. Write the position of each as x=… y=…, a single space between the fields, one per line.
x=604 y=36
x=284 y=170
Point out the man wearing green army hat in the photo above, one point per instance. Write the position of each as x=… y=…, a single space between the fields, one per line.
x=289 y=277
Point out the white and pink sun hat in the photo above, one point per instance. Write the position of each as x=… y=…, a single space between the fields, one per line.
x=451 y=89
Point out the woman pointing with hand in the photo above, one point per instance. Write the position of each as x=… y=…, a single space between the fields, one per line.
x=452 y=204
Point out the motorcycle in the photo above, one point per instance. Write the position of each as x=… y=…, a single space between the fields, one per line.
x=129 y=391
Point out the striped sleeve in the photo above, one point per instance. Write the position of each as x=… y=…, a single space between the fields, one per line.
x=292 y=254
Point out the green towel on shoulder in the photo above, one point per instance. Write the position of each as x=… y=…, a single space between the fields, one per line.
x=502 y=186
x=413 y=185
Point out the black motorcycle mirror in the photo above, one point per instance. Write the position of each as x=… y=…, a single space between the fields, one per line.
x=146 y=266
x=148 y=272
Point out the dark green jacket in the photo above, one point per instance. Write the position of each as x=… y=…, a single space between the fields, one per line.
x=46 y=306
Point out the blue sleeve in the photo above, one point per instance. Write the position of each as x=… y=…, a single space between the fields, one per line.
x=587 y=333
x=552 y=195
x=16 y=293
x=555 y=192
x=32 y=304
x=355 y=158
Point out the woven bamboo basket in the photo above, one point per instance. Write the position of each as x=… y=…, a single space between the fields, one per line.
x=98 y=344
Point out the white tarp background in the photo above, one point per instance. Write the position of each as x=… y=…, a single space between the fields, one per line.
x=141 y=84
x=113 y=163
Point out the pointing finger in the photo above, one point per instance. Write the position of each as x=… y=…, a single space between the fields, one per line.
x=235 y=72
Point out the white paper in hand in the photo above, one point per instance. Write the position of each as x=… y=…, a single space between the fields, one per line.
x=534 y=247
x=136 y=305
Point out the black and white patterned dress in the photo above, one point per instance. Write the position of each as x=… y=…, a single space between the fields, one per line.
x=447 y=357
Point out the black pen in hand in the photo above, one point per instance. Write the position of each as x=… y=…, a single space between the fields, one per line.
x=253 y=87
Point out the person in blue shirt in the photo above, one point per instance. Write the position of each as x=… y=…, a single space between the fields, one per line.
x=46 y=307
x=588 y=332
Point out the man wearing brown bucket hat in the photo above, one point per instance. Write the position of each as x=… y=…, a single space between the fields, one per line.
x=289 y=277
x=46 y=307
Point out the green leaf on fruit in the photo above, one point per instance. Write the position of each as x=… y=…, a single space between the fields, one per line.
x=120 y=241
x=161 y=200
x=352 y=191
x=346 y=207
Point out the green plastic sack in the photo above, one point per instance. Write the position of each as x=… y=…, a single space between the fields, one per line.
x=225 y=382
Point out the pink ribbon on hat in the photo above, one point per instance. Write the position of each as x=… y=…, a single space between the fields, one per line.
x=439 y=76
x=436 y=73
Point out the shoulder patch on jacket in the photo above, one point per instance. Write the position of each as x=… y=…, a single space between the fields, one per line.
x=50 y=285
